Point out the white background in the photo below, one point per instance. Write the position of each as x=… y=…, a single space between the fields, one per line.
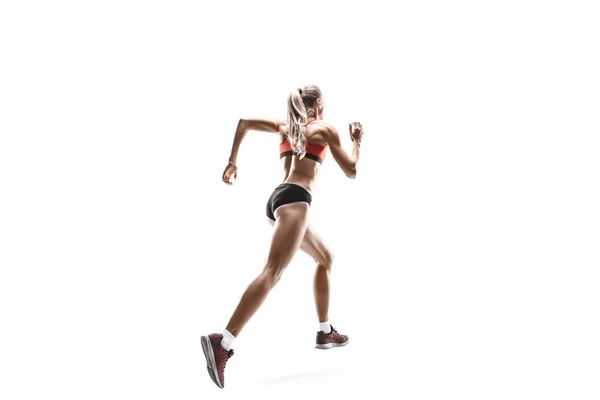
x=467 y=249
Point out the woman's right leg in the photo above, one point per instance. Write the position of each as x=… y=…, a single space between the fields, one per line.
x=314 y=246
x=290 y=227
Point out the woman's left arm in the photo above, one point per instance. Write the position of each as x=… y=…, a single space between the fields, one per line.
x=245 y=125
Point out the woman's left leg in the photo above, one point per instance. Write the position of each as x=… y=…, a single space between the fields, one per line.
x=292 y=220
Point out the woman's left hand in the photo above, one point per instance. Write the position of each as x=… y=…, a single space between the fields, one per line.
x=230 y=170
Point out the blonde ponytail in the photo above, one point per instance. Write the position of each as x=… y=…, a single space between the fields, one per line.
x=296 y=121
x=302 y=103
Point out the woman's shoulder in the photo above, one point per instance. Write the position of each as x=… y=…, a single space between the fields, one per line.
x=319 y=132
x=282 y=128
x=324 y=128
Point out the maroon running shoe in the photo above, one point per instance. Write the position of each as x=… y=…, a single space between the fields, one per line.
x=329 y=340
x=216 y=357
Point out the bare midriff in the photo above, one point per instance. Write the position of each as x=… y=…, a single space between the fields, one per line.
x=302 y=172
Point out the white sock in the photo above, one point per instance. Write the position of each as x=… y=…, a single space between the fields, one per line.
x=227 y=340
x=325 y=327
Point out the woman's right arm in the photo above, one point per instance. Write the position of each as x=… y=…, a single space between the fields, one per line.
x=347 y=163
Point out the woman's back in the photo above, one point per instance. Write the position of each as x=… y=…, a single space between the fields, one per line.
x=304 y=171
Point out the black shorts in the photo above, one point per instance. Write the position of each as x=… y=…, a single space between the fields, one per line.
x=286 y=193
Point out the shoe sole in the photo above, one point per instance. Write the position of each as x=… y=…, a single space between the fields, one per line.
x=211 y=365
x=328 y=346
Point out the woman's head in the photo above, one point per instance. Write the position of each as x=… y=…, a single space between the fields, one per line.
x=303 y=103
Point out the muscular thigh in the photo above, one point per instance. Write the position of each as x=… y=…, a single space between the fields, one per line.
x=289 y=229
x=313 y=245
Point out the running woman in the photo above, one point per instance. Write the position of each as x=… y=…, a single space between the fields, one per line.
x=305 y=138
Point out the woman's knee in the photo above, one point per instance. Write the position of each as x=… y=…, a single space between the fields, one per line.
x=327 y=260
x=272 y=273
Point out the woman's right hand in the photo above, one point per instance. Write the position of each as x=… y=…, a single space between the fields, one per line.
x=356 y=131
x=230 y=170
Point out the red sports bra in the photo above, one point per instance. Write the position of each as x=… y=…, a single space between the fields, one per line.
x=313 y=151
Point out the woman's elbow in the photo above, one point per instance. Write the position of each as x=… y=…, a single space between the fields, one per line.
x=351 y=173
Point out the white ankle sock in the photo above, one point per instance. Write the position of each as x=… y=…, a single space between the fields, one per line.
x=325 y=327
x=227 y=340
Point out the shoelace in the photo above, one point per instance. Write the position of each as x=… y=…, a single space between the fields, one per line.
x=336 y=333
x=228 y=354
